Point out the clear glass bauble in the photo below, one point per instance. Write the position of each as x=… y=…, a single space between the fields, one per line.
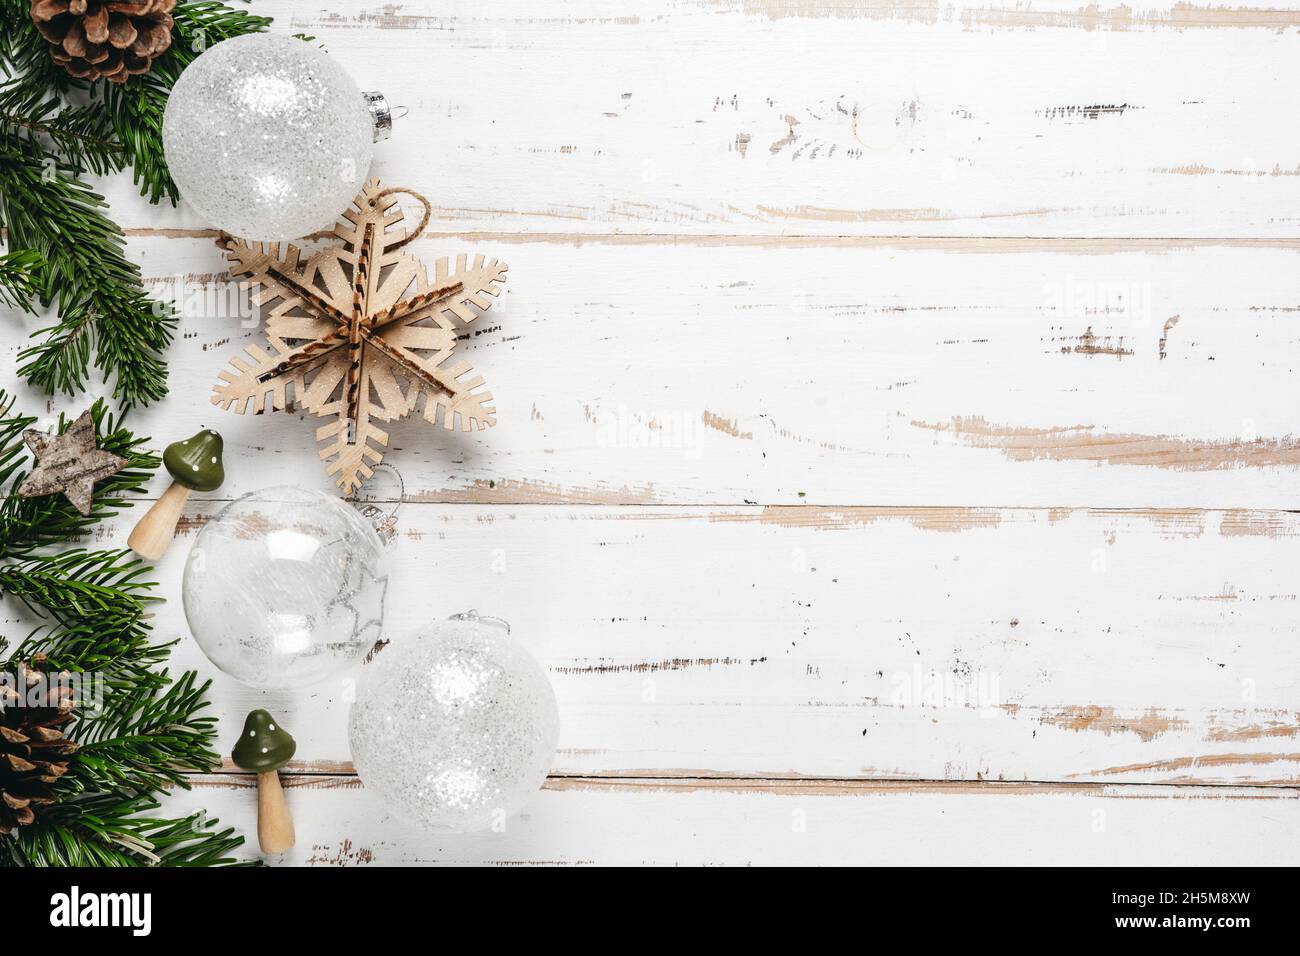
x=267 y=137
x=455 y=727
x=285 y=587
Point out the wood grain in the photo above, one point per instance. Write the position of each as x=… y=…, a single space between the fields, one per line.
x=886 y=373
x=850 y=117
x=579 y=821
x=856 y=643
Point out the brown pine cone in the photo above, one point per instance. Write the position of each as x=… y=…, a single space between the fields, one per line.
x=94 y=39
x=33 y=749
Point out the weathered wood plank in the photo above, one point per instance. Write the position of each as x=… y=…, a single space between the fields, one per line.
x=773 y=117
x=1016 y=644
x=701 y=821
x=901 y=373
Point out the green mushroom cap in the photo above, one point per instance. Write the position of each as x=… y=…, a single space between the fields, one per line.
x=196 y=461
x=263 y=744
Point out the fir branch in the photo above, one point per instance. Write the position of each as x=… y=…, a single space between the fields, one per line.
x=46 y=143
x=110 y=830
x=12 y=449
x=81 y=136
x=102 y=304
x=149 y=738
x=75 y=585
x=193 y=841
x=123 y=660
x=19 y=278
x=142 y=742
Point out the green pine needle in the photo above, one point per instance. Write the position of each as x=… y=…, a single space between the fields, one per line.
x=18 y=278
x=81 y=136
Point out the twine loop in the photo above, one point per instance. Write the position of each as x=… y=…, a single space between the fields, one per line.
x=411 y=234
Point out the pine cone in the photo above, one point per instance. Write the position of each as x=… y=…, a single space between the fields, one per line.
x=104 y=38
x=33 y=750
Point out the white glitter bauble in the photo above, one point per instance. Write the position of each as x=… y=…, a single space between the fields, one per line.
x=455 y=726
x=267 y=137
x=285 y=587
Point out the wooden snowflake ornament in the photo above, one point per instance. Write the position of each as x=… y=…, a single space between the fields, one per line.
x=349 y=343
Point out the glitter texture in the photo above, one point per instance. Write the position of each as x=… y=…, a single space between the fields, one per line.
x=267 y=137
x=285 y=587
x=455 y=728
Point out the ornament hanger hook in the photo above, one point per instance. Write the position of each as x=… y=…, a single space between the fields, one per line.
x=385 y=522
x=474 y=617
x=415 y=233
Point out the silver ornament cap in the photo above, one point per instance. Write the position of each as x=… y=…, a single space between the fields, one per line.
x=476 y=618
x=384 y=522
x=380 y=114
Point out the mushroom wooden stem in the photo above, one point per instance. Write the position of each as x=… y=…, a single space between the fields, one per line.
x=153 y=533
x=274 y=825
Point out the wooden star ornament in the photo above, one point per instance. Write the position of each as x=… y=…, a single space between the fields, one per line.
x=361 y=334
x=69 y=463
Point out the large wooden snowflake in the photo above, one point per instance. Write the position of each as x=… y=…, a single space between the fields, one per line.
x=349 y=343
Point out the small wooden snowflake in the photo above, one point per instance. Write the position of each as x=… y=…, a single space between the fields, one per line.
x=347 y=341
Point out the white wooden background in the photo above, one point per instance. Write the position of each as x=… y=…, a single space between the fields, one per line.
x=850 y=348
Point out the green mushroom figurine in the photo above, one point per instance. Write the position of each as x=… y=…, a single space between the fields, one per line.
x=263 y=748
x=195 y=465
